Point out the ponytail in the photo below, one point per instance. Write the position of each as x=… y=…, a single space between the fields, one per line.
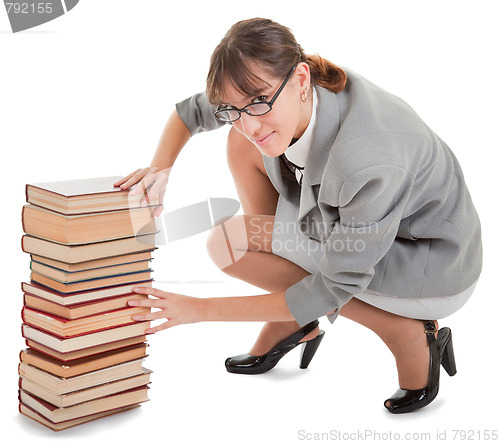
x=326 y=74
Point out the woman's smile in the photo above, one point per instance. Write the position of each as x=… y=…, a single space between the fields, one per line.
x=263 y=141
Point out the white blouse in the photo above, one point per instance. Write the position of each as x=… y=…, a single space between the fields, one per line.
x=297 y=152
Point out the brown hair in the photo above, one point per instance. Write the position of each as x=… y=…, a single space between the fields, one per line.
x=274 y=48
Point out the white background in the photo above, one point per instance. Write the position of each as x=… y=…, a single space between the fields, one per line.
x=88 y=94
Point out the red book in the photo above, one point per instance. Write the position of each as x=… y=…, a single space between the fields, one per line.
x=76 y=311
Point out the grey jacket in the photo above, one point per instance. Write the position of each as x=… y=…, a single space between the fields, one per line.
x=385 y=195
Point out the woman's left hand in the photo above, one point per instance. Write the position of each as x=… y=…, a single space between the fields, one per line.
x=176 y=308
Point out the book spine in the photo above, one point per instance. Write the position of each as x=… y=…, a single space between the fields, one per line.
x=22 y=219
x=22 y=244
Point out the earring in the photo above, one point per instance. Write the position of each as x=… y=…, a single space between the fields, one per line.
x=303 y=95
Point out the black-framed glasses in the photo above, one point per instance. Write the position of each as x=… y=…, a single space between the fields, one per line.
x=232 y=114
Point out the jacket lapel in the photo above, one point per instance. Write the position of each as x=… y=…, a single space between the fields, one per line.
x=282 y=179
x=324 y=134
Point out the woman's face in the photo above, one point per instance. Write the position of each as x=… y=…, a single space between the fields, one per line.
x=271 y=133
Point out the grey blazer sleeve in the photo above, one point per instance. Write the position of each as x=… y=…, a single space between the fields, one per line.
x=197 y=114
x=370 y=203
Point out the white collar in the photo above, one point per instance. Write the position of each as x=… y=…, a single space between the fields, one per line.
x=297 y=153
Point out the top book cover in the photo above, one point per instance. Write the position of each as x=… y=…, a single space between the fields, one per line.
x=83 y=196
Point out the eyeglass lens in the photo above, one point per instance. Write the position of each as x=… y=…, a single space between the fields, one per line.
x=254 y=109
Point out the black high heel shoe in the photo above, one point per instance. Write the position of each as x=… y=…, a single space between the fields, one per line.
x=253 y=365
x=441 y=353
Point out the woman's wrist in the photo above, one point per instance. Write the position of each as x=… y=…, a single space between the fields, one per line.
x=261 y=308
x=203 y=305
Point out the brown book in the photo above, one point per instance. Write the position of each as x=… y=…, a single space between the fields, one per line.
x=81 y=296
x=63 y=425
x=77 y=311
x=91 y=352
x=66 y=345
x=87 y=394
x=90 y=284
x=75 y=367
x=82 y=229
x=98 y=263
x=94 y=273
x=55 y=414
x=73 y=254
x=80 y=196
x=60 y=385
x=68 y=328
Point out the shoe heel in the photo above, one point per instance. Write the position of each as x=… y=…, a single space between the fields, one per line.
x=309 y=349
x=448 y=358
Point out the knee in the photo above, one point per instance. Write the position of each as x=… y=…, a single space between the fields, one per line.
x=227 y=241
x=216 y=240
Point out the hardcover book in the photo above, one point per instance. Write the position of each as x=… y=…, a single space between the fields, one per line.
x=81 y=310
x=93 y=227
x=63 y=425
x=75 y=367
x=60 y=385
x=56 y=414
x=93 y=352
x=98 y=263
x=68 y=328
x=66 y=345
x=82 y=196
x=81 y=296
x=73 y=254
x=93 y=273
x=90 y=284
x=86 y=394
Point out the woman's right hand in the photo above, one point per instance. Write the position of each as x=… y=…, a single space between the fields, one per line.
x=152 y=180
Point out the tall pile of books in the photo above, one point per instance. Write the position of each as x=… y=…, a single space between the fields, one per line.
x=90 y=245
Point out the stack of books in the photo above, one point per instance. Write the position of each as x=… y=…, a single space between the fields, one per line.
x=90 y=245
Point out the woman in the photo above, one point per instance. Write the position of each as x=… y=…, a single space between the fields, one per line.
x=371 y=218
